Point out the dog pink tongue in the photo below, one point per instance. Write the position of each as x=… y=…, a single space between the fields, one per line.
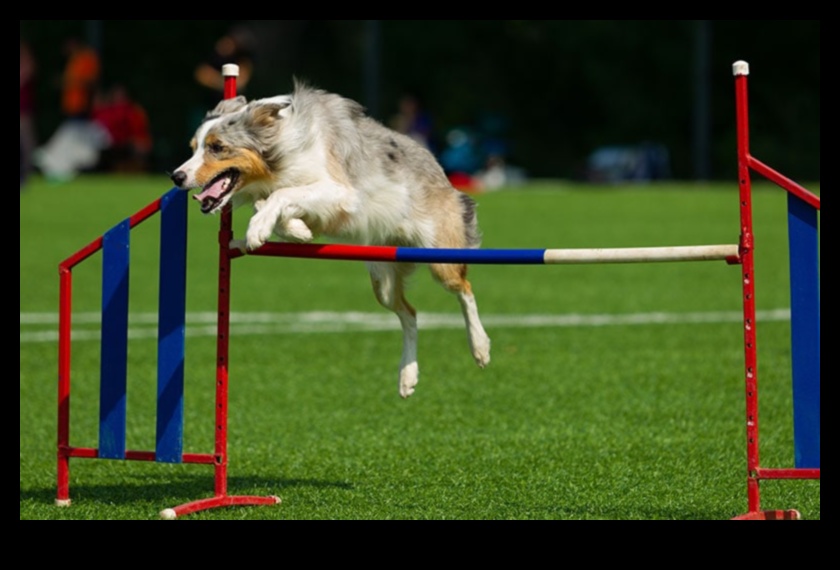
x=214 y=191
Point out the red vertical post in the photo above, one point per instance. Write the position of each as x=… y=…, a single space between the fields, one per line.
x=741 y=72
x=64 y=326
x=221 y=498
x=230 y=72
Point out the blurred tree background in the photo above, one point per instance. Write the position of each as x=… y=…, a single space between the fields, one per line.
x=564 y=87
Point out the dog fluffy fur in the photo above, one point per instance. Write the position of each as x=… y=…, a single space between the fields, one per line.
x=312 y=164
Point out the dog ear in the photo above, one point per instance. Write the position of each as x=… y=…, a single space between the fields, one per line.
x=227 y=106
x=284 y=110
x=266 y=114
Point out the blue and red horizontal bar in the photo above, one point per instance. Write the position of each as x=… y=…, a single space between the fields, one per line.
x=728 y=253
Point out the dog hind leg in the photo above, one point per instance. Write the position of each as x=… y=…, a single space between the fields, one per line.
x=454 y=279
x=388 y=281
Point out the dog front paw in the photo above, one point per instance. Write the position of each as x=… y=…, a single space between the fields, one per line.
x=257 y=235
x=294 y=230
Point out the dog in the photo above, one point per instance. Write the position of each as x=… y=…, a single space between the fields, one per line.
x=313 y=163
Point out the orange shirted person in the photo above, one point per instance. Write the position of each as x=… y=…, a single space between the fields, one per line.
x=80 y=79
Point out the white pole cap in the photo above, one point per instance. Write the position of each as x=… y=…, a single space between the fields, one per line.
x=740 y=68
x=230 y=70
x=168 y=515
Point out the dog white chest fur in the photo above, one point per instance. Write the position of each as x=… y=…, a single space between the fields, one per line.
x=313 y=164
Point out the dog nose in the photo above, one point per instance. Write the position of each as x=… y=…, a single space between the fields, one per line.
x=179 y=178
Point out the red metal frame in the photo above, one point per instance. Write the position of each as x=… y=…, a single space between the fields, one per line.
x=219 y=459
x=747 y=164
x=65 y=323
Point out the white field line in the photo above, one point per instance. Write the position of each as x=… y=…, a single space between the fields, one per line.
x=144 y=325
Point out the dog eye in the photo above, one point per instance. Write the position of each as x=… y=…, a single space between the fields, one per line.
x=216 y=148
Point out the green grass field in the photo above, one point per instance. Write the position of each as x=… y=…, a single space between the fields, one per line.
x=615 y=392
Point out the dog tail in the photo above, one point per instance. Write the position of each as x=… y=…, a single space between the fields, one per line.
x=472 y=235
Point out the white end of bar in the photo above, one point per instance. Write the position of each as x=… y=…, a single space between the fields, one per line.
x=740 y=68
x=230 y=70
x=642 y=255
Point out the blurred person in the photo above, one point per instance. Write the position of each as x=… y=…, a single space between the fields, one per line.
x=461 y=158
x=126 y=122
x=234 y=47
x=496 y=172
x=27 y=111
x=80 y=79
x=414 y=120
x=77 y=142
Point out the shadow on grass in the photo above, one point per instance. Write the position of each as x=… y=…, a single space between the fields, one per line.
x=192 y=488
x=180 y=490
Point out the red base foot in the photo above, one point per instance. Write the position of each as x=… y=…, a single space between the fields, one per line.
x=770 y=516
x=216 y=503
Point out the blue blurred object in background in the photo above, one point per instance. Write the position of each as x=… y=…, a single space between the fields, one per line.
x=645 y=162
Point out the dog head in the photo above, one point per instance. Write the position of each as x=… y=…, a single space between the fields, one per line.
x=233 y=150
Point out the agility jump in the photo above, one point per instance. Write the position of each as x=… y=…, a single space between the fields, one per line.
x=115 y=247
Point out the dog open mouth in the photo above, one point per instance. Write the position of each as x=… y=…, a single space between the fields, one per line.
x=214 y=195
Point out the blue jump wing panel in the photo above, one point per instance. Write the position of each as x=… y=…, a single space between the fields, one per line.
x=172 y=328
x=805 y=330
x=114 y=343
